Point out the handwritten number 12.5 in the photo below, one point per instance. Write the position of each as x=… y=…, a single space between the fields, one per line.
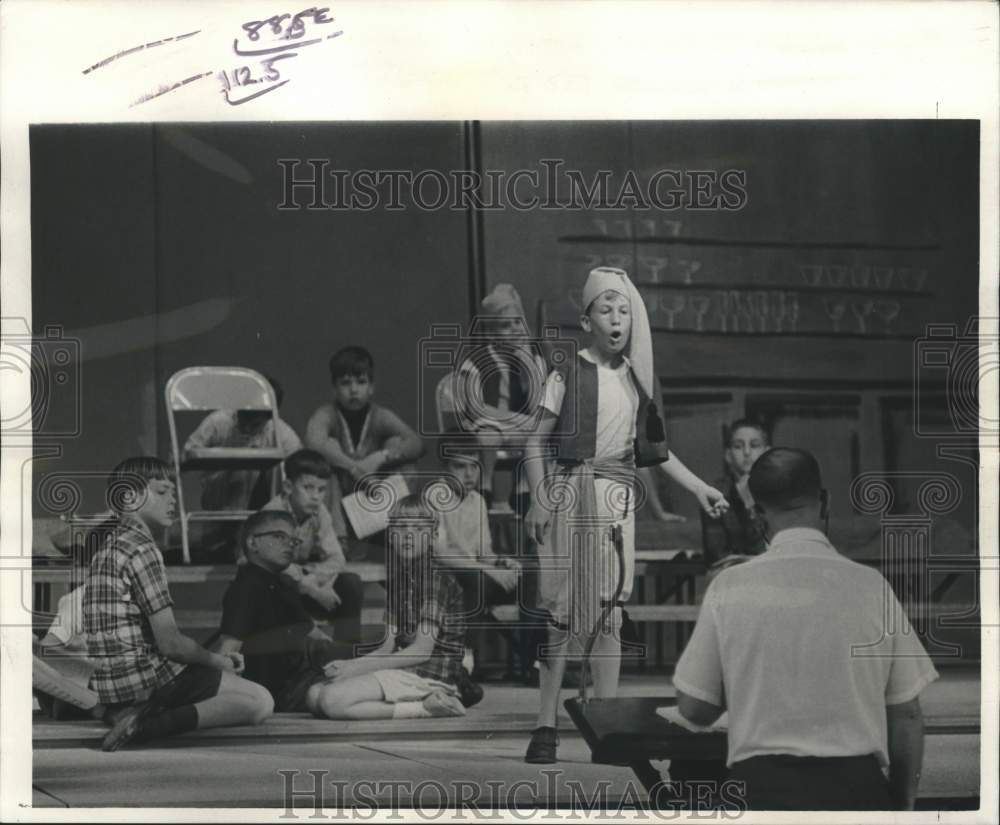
x=243 y=76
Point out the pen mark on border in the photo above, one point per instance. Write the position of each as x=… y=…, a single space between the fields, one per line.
x=135 y=49
x=256 y=94
x=165 y=89
x=236 y=47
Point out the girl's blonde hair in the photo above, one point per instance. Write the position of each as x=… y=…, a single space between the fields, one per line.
x=412 y=510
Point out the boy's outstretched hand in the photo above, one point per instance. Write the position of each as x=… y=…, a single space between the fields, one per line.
x=536 y=522
x=711 y=501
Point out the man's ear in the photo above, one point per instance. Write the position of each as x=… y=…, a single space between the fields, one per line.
x=585 y=323
x=824 y=504
x=286 y=485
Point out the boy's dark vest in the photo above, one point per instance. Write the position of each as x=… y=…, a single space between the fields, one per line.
x=575 y=433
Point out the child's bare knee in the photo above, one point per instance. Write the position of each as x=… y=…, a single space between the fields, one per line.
x=312 y=698
x=262 y=705
x=330 y=705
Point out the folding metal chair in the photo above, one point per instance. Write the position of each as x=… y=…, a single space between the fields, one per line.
x=206 y=389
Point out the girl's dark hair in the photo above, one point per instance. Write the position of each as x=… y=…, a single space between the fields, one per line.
x=128 y=481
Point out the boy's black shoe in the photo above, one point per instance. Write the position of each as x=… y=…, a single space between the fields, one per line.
x=469 y=693
x=127 y=726
x=542 y=747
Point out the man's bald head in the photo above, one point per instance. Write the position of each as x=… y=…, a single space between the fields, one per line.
x=784 y=478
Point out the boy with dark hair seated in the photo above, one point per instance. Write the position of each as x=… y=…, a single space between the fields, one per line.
x=264 y=619
x=317 y=566
x=155 y=681
x=355 y=435
x=739 y=532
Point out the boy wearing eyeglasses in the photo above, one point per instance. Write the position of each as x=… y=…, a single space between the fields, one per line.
x=317 y=564
x=265 y=620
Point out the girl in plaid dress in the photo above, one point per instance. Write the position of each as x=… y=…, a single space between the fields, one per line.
x=415 y=671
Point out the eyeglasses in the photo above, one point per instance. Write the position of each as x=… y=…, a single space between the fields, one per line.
x=291 y=541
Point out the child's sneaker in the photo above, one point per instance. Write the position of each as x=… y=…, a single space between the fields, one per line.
x=127 y=726
x=440 y=703
x=468 y=691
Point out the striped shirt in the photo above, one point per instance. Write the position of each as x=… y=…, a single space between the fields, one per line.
x=126 y=585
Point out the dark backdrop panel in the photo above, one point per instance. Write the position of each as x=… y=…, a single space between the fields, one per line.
x=163 y=247
x=304 y=283
x=853 y=237
x=94 y=276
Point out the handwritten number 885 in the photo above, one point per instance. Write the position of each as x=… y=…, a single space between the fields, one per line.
x=296 y=28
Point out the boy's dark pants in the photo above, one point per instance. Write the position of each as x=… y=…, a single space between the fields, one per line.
x=316 y=654
x=346 y=617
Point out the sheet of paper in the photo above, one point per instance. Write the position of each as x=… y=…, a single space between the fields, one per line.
x=673 y=715
x=368 y=512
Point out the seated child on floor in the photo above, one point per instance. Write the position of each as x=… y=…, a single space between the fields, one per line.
x=318 y=562
x=154 y=681
x=415 y=672
x=264 y=619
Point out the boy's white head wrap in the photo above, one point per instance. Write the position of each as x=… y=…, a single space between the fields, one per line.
x=640 y=345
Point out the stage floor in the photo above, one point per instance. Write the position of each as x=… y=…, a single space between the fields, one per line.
x=478 y=758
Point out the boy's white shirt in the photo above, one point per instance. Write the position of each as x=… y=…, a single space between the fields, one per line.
x=471 y=500
x=68 y=622
x=616 y=396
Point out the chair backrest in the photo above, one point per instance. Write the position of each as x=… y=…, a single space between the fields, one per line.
x=215 y=388
x=444 y=402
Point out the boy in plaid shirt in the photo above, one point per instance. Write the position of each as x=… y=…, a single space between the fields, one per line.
x=155 y=681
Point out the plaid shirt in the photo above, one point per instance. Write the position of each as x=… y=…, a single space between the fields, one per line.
x=443 y=614
x=126 y=585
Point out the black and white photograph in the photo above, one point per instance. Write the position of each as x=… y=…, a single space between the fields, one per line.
x=435 y=466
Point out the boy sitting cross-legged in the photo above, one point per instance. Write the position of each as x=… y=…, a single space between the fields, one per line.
x=357 y=436
x=317 y=565
x=154 y=680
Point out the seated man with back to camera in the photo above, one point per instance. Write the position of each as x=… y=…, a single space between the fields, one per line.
x=794 y=643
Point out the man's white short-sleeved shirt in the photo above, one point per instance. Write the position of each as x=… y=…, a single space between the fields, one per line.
x=617 y=406
x=805 y=648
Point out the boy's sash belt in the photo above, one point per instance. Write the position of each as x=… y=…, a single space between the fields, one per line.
x=581 y=532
